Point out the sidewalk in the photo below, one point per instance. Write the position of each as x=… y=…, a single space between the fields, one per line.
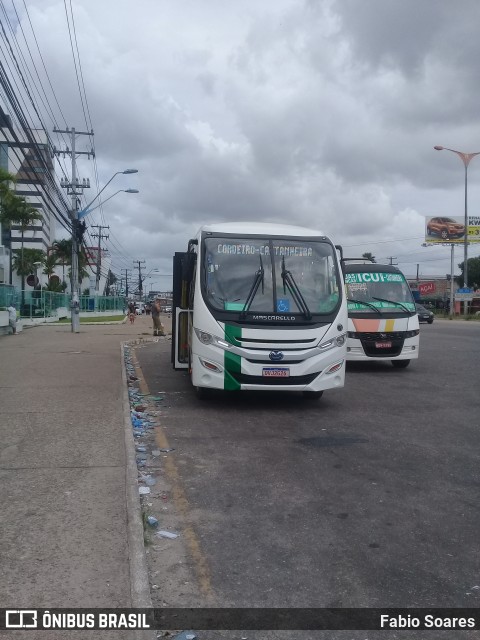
x=71 y=532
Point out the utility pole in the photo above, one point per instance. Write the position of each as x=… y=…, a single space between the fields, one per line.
x=392 y=258
x=127 y=271
x=140 y=281
x=75 y=189
x=100 y=236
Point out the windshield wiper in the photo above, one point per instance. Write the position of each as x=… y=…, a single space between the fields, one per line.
x=289 y=281
x=259 y=278
x=394 y=302
x=367 y=304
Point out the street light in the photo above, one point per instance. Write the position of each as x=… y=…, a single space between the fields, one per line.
x=77 y=235
x=86 y=210
x=127 y=171
x=37 y=265
x=466 y=159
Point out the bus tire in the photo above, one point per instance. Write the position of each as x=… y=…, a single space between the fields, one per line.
x=312 y=395
x=400 y=364
x=202 y=393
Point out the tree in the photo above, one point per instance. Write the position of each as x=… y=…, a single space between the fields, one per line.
x=24 y=261
x=49 y=265
x=7 y=204
x=63 y=252
x=23 y=214
x=473 y=272
x=368 y=256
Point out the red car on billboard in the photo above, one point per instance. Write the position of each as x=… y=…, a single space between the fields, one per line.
x=446 y=228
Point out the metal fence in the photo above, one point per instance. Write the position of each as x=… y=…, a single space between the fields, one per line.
x=45 y=304
x=8 y=295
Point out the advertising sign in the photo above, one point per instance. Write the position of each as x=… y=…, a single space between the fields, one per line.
x=426 y=287
x=451 y=230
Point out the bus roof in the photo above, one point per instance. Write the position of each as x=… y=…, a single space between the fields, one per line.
x=371 y=267
x=260 y=228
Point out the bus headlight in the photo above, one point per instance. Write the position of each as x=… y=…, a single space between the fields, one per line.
x=338 y=341
x=208 y=338
x=204 y=337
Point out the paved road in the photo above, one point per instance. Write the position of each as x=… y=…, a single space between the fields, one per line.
x=366 y=498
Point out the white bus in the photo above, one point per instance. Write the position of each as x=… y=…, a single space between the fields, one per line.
x=382 y=317
x=259 y=307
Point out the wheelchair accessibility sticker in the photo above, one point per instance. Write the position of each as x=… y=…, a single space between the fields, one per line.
x=283 y=304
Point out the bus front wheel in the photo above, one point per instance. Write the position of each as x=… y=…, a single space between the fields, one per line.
x=202 y=393
x=400 y=364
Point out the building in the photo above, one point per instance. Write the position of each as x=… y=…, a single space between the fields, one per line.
x=31 y=163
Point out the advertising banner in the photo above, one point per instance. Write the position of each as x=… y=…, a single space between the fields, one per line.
x=426 y=287
x=451 y=230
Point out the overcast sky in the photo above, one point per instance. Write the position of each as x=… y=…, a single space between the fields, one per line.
x=319 y=113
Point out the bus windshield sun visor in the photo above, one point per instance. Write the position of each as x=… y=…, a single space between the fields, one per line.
x=289 y=282
x=395 y=302
x=367 y=304
x=259 y=278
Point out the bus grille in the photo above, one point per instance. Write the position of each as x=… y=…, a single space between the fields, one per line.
x=243 y=378
x=369 y=340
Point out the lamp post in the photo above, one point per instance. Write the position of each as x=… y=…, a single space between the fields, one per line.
x=78 y=229
x=37 y=265
x=127 y=171
x=466 y=158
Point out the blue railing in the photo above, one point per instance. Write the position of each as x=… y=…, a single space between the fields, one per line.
x=8 y=295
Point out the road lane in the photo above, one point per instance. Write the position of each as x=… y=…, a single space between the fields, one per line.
x=365 y=498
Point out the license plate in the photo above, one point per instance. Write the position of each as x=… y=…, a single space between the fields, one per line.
x=276 y=372
x=383 y=345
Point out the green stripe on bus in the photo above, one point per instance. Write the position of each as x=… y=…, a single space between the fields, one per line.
x=232 y=361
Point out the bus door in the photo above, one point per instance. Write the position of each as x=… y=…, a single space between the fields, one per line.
x=184 y=264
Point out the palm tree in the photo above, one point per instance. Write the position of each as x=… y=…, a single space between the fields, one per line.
x=24 y=215
x=7 y=202
x=49 y=265
x=63 y=252
x=368 y=256
x=24 y=261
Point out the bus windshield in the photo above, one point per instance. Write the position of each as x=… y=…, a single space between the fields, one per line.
x=266 y=275
x=375 y=292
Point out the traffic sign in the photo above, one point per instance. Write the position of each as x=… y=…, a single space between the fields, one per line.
x=464 y=290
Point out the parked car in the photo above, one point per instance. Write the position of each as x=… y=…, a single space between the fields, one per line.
x=424 y=315
x=446 y=228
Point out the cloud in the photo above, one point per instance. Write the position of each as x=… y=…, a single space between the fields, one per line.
x=321 y=113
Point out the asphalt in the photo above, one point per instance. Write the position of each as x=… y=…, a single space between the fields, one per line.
x=72 y=534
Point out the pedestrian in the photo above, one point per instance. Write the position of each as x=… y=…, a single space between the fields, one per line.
x=131 y=312
x=12 y=318
x=158 y=328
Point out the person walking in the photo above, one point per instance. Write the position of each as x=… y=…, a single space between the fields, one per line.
x=12 y=318
x=131 y=312
x=158 y=329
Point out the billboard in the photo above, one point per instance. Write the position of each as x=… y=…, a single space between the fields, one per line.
x=451 y=230
x=426 y=288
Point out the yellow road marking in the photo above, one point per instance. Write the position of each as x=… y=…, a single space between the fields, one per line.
x=179 y=497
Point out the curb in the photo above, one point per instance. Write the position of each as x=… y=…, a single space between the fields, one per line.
x=139 y=582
